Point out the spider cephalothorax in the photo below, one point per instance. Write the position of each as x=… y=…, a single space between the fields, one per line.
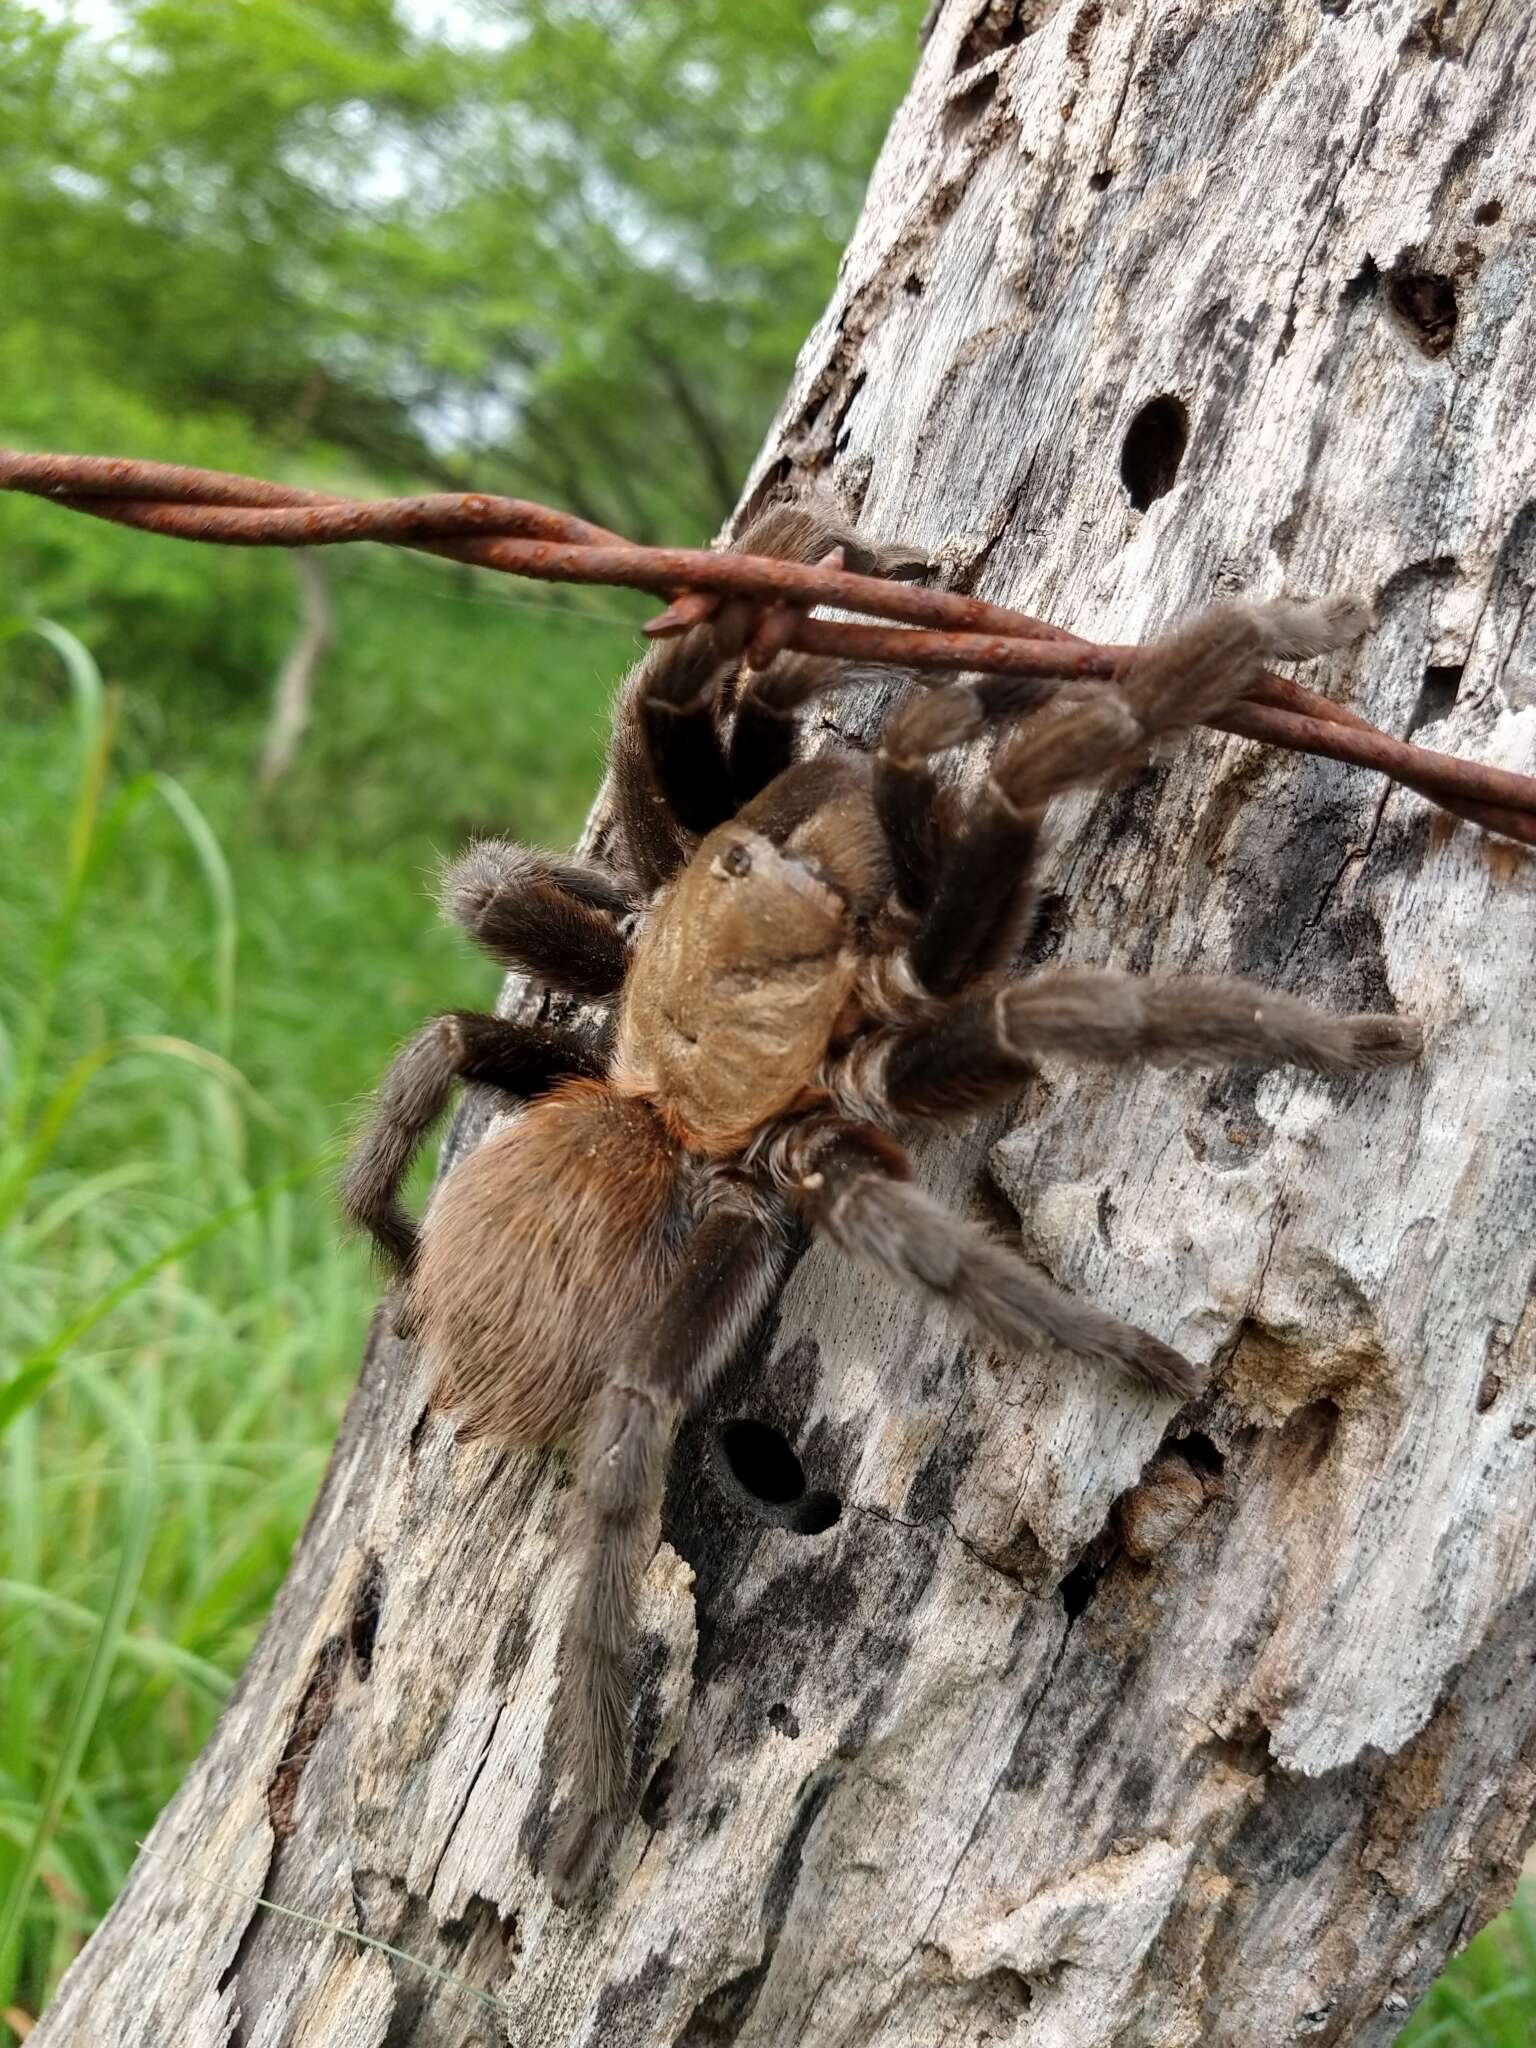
x=788 y=961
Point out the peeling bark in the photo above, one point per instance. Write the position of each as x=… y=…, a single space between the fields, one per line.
x=1088 y=1721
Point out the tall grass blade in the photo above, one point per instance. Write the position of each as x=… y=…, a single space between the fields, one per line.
x=96 y=708
x=24 y=1532
x=221 y=888
x=162 y=1658
x=38 y=1368
x=137 y=1522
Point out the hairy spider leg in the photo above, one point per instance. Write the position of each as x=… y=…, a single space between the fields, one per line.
x=522 y=1059
x=913 y=809
x=725 y=1279
x=557 y=920
x=673 y=781
x=765 y=735
x=983 y=1051
x=853 y=1182
x=765 y=732
x=983 y=892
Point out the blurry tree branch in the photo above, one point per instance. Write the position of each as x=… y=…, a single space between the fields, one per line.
x=694 y=411
x=293 y=694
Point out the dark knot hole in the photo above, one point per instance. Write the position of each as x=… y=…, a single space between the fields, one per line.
x=1153 y=449
x=762 y=1473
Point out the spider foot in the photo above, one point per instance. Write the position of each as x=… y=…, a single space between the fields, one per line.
x=469 y=884
x=405 y=1316
x=1302 y=632
x=1374 y=1041
x=1160 y=1367
x=578 y=1852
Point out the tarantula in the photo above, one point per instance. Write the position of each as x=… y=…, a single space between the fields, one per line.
x=790 y=959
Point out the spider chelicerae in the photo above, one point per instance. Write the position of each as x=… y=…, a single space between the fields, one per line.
x=786 y=961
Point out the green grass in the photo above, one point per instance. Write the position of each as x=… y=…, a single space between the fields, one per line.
x=199 y=986
x=1487 y=1997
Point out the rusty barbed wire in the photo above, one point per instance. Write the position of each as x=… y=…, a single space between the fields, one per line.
x=927 y=631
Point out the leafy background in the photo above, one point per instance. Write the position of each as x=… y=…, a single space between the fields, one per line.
x=561 y=248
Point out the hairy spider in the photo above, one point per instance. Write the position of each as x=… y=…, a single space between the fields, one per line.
x=789 y=960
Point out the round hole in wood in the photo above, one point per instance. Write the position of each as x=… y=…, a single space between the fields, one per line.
x=1153 y=449
x=762 y=1472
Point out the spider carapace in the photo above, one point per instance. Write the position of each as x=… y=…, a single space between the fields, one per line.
x=785 y=963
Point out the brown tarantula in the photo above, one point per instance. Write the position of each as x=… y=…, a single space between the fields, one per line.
x=790 y=959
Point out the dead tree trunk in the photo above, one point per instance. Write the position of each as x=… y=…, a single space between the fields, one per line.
x=1087 y=1722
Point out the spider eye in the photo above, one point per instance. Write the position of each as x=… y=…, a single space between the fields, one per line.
x=736 y=860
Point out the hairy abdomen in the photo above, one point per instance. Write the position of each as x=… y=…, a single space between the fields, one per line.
x=540 y=1256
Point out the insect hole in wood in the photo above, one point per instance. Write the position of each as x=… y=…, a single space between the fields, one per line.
x=786 y=962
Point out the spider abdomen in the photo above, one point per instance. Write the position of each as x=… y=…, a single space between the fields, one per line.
x=542 y=1252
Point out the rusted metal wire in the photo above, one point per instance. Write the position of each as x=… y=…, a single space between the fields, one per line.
x=763 y=605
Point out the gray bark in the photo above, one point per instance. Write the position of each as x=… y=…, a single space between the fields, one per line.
x=1089 y=1722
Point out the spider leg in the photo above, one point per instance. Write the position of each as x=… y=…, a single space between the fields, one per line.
x=982 y=1052
x=766 y=727
x=670 y=779
x=1088 y=1013
x=971 y=880
x=907 y=797
x=554 y=919
x=522 y=1059
x=724 y=1279
x=853 y=1183
x=980 y=895
x=671 y=776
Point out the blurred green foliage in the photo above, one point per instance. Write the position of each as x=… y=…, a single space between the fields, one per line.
x=566 y=248
x=1487 y=1997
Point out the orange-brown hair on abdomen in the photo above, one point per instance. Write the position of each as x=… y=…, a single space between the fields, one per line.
x=540 y=1256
